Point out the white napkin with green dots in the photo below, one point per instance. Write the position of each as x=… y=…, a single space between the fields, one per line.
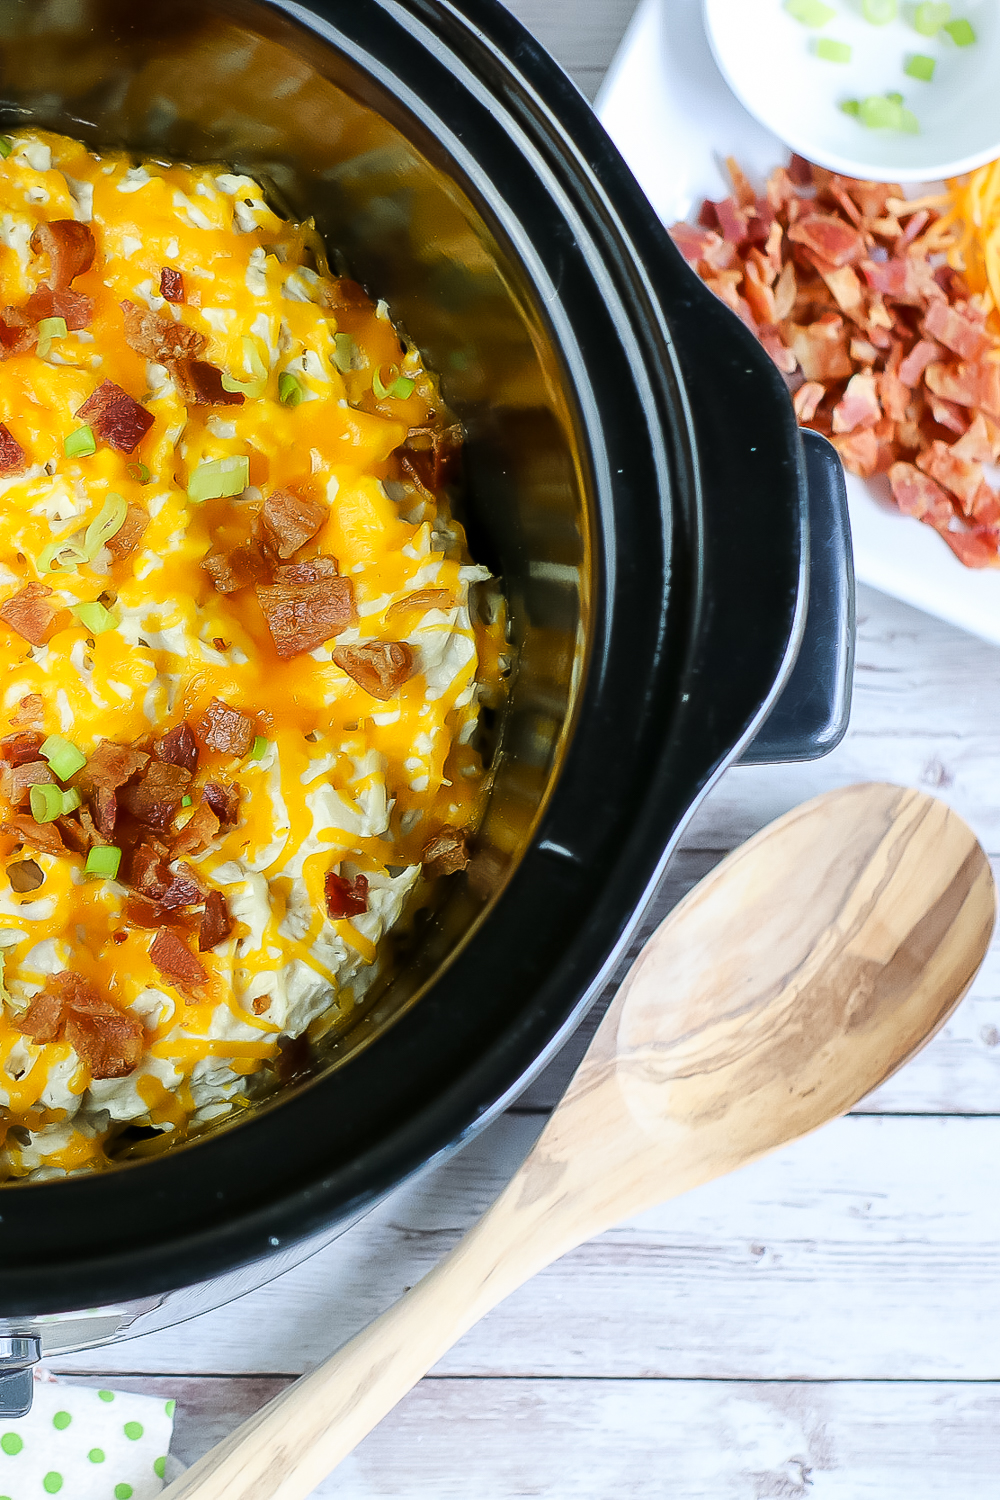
x=85 y=1445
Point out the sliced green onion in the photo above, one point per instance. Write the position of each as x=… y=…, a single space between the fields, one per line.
x=6 y=145
x=63 y=756
x=49 y=802
x=103 y=859
x=139 y=473
x=185 y=802
x=919 y=66
x=930 y=17
x=64 y=556
x=403 y=387
x=810 y=12
x=908 y=122
x=48 y=330
x=879 y=12
x=851 y=107
x=343 y=352
x=107 y=523
x=381 y=387
x=95 y=617
x=258 y=749
x=886 y=112
x=289 y=389
x=961 y=32
x=829 y=50
x=80 y=443
x=894 y=98
x=257 y=368
x=219 y=477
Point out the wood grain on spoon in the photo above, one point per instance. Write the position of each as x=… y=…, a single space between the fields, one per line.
x=806 y=968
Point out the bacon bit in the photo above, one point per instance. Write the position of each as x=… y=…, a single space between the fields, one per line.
x=224 y=800
x=76 y=309
x=975 y=385
x=29 y=710
x=859 y=405
x=224 y=728
x=139 y=911
x=421 y=599
x=175 y=961
x=110 y=766
x=155 y=797
x=345 y=898
x=948 y=415
x=29 y=613
x=923 y=353
x=961 y=328
x=73 y=835
x=116 y=418
x=446 y=852
x=918 y=495
x=108 y=1040
x=894 y=396
x=956 y=474
x=160 y=339
x=133 y=528
x=179 y=747
x=44 y=1018
x=778 y=350
x=905 y=279
x=91 y=831
x=171 y=285
x=18 y=333
x=70 y=247
x=24 y=876
x=219 y=643
x=859 y=451
x=695 y=244
x=237 y=569
x=105 y=811
x=42 y=836
x=216 y=923
x=16 y=781
x=344 y=295
x=200 y=384
x=198 y=832
x=306 y=605
x=806 y=400
x=289 y=521
x=17 y=749
x=431 y=454
x=12 y=456
x=821 y=348
x=980 y=444
x=380 y=667
x=151 y=876
x=974 y=549
x=829 y=237
x=260 y=1004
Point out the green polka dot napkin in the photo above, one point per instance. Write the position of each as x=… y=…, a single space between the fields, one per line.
x=85 y=1445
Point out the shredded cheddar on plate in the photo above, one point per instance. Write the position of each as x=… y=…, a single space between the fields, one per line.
x=239 y=673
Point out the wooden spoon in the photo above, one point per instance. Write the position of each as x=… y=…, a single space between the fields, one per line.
x=802 y=972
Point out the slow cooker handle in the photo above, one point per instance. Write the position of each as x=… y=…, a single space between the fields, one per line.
x=810 y=716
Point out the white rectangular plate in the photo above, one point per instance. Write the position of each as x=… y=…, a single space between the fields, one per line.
x=672 y=116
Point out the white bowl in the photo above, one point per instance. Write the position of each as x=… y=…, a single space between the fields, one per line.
x=769 y=62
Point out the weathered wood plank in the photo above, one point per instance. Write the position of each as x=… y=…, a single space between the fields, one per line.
x=642 y=1439
x=871 y=1249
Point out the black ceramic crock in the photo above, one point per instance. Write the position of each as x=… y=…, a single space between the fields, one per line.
x=634 y=475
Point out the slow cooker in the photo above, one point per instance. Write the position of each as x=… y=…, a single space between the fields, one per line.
x=676 y=563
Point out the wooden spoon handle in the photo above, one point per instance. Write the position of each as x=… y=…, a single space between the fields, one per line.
x=287 y=1448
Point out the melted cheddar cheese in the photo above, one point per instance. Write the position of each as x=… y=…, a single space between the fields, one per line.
x=346 y=782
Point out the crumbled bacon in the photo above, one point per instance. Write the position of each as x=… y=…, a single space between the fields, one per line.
x=446 y=852
x=116 y=418
x=175 y=961
x=171 y=285
x=109 y=767
x=30 y=709
x=178 y=746
x=18 y=333
x=12 y=456
x=16 y=781
x=160 y=339
x=306 y=605
x=216 y=922
x=150 y=874
x=431 y=454
x=883 y=348
x=130 y=534
x=224 y=728
x=16 y=749
x=345 y=898
x=42 y=836
x=43 y=1020
x=76 y=309
x=74 y=835
x=200 y=384
x=70 y=247
x=140 y=911
x=238 y=568
x=289 y=521
x=224 y=800
x=380 y=667
x=29 y=613
x=197 y=833
x=153 y=798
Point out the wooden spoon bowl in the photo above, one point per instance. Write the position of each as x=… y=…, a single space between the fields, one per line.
x=802 y=972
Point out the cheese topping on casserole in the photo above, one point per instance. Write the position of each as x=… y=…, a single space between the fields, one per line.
x=237 y=658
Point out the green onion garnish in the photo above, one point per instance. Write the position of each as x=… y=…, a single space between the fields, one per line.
x=257 y=368
x=185 y=802
x=381 y=387
x=64 y=556
x=879 y=12
x=258 y=749
x=403 y=387
x=830 y=51
x=93 y=615
x=80 y=443
x=886 y=112
x=289 y=389
x=103 y=859
x=107 y=523
x=930 y=17
x=851 y=107
x=48 y=330
x=49 y=802
x=63 y=756
x=894 y=98
x=961 y=33
x=139 y=473
x=810 y=12
x=919 y=66
x=343 y=352
x=219 y=477
x=6 y=145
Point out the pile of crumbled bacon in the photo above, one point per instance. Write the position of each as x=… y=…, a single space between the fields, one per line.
x=882 y=345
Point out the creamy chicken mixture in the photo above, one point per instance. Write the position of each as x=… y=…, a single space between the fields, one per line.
x=239 y=673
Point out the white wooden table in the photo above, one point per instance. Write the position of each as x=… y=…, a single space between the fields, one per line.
x=826 y=1323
